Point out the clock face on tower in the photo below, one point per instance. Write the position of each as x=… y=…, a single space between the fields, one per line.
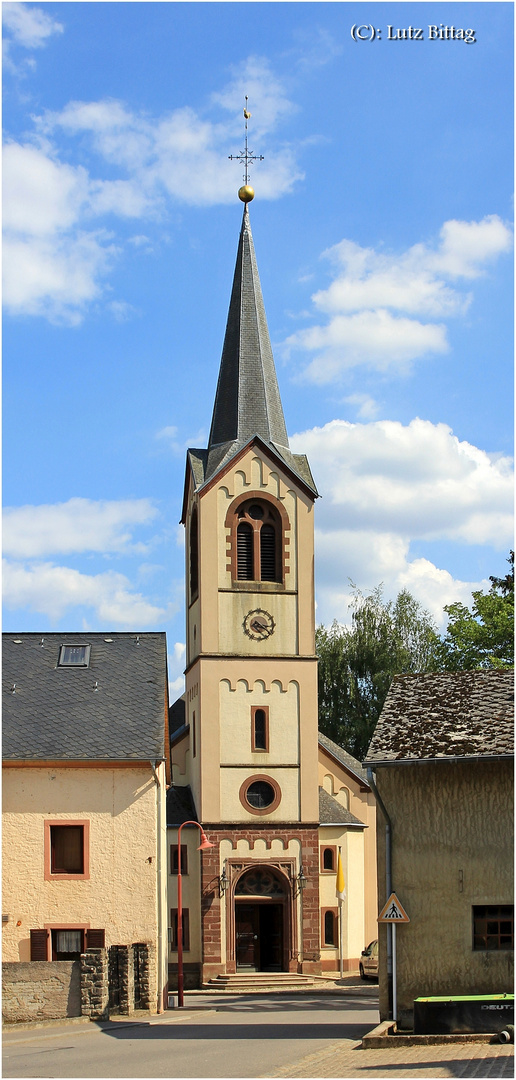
x=258 y=624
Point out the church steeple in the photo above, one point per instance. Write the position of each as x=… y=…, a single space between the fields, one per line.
x=247 y=401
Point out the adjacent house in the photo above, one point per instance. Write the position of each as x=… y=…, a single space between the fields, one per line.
x=85 y=734
x=442 y=756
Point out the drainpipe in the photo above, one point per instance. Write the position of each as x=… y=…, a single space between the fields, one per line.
x=388 y=878
x=161 y=987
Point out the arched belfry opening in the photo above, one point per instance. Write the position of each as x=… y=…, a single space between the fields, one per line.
x=262 y=919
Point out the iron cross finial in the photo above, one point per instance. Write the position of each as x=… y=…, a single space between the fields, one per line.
x=246 y=155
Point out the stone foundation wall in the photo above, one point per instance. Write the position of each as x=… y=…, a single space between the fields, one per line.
x=42 y=990
x=116 y=980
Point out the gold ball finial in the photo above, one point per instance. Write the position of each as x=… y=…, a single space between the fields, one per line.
x=246 y=193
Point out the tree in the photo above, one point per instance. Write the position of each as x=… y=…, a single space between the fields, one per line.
x=357 y=663
x=484 y=636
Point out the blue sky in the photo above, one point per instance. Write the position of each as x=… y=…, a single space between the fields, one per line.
x=382 y=225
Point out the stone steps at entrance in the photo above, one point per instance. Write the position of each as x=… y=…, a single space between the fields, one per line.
x=260 y=980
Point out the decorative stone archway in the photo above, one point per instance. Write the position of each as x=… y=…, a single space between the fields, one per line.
x=260 y=916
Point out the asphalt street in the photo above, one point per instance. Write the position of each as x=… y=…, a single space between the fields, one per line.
x=227 y=1037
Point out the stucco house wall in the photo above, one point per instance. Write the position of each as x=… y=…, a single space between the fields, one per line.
x=452 y=849
x=120 y=893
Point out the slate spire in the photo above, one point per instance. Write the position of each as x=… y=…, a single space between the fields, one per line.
x=247 y=401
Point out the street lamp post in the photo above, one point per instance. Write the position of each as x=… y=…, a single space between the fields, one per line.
x=205 y=843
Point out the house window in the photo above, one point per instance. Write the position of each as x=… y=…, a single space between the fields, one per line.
x=173 y=929
x=173 y=859
x=64 y=942
x=257 y=528
x=194 y=555
x=328 y=859
x=74 y=656
x=260 y=728
x=67 y=944
x=66 y=850
x=493 y=926
x=329 y=926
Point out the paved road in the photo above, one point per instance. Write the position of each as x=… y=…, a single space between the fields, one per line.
x=267 y=1036
x=230 y=1037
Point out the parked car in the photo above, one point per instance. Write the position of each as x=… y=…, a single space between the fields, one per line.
x=368 y=965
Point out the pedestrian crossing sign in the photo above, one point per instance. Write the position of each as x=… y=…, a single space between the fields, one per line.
x=393 y=911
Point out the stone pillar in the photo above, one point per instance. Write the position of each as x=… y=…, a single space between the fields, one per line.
x=95 y=984
x=310 y=947
x=212 y=962
x=145 y=975
x=121 y=979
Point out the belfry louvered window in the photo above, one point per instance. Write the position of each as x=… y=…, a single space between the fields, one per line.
x=258 y=542
x=245 y=552
x=268 y=553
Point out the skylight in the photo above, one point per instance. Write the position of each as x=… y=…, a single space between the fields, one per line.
x=74 y=656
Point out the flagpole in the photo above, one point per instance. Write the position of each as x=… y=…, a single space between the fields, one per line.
x=341 y=930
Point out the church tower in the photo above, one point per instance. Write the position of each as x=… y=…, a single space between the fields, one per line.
x=251 y=669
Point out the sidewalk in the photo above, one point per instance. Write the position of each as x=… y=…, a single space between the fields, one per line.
x=347 y=1061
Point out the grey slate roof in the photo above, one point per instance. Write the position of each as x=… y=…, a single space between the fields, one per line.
x=345 y=759
x=180 y=805
x=177 y=715
x=247 y=400
x=56 y=713
x=439 y=716
x=332 y=813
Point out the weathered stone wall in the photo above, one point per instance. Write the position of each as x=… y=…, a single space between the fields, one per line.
x=452 y=848
x=95 y=984
x=46 y=990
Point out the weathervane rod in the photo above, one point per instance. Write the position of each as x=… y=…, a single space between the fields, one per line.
x=246 y=156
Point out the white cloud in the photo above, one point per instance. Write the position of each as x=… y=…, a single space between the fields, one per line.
x=385 y=485
x=371 y=338
x=52 y=265
x=268 y=102
x=40 y=196
x=169 y=437
x=53 y=590
x=372 y=303
x=176 y=663
x=79 y=525
x=57 y=250
x=180 y=154
x=29 y=27
x=367 y=408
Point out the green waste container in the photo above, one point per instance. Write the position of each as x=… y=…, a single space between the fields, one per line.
x=478 y=1014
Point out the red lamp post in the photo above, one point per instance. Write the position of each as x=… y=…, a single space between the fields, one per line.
x=205 y=843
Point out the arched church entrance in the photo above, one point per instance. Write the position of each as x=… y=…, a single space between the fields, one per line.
x=262 y=920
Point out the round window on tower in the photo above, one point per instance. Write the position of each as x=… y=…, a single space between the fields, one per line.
x=260 y=794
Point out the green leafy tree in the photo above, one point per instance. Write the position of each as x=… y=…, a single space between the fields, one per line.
x=484 y=636
x=357 y=663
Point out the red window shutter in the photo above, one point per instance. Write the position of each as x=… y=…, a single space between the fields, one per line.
x=95 y=939
x=38 y=944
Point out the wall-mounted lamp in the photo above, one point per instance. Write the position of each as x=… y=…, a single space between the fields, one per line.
x=301 y=879
x=223 y=881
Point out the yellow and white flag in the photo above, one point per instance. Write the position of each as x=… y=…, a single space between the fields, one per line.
x=341 y=887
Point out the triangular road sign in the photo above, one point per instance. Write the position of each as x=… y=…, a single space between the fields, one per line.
x=393 y=912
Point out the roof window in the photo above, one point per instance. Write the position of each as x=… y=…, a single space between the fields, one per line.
x=74 y=656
